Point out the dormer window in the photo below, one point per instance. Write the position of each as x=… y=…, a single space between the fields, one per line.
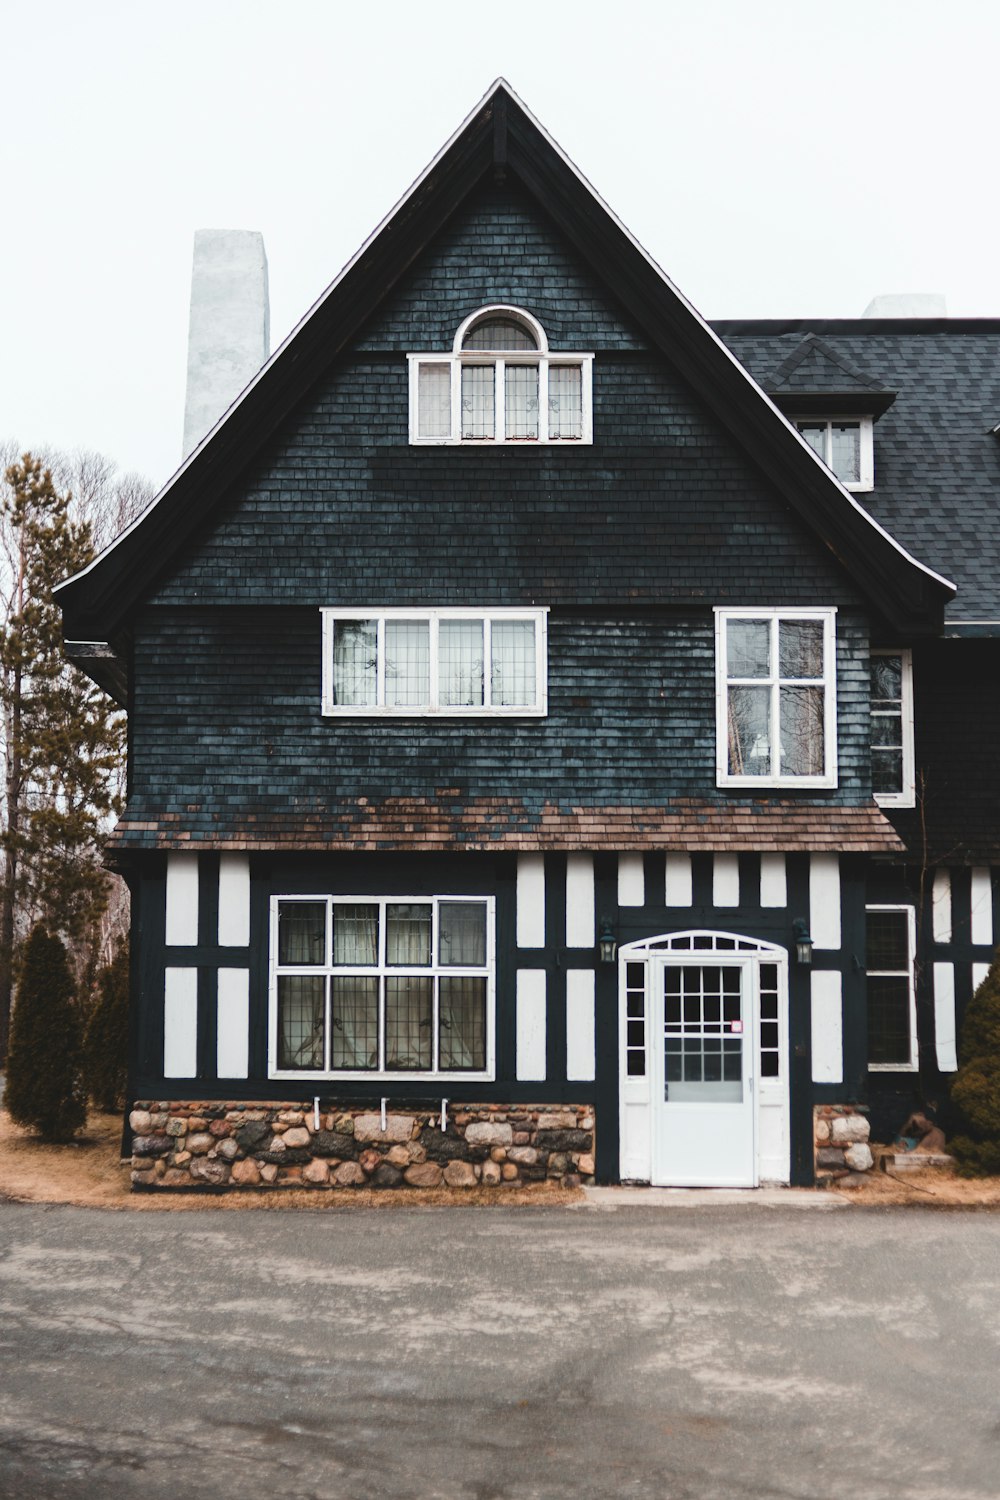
x=845 y=444
x=500 y=384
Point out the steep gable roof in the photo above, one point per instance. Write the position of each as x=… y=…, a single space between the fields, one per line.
x=500 y=137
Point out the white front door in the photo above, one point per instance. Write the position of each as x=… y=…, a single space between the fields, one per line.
x=702 y=1012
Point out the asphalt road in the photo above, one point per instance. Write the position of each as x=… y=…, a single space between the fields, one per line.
x=523 y=1353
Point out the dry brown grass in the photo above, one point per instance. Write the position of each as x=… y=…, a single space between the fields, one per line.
x=930 y=1187
x=88 y=1173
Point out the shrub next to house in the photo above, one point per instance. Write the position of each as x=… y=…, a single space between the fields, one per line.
x=976 y=1089
x=44 y=1090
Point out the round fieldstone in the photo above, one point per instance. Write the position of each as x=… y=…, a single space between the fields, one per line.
x=141 y=1121
x=348 y=1174
x=333 y=1143
x=459 y=1174
x=849 y=1129
x=492 y=1173
x=176 y=1126
x=423 y=1174
x=199 y=1143
x=245 y=1173
x=317 y=1173
x=564 y=1140
x=859 y=1157
x=152 y=1145
x=487 y=1133
x=525 y=1156
x=298 y=1135
x=251 y=1134
x=215 y=1173
x=443 y=1145
x=386 y=1176
x=227 y=1149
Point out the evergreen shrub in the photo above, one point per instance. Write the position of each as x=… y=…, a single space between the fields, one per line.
x=105 y=1043
x=975 y=1089
x=44 y=1089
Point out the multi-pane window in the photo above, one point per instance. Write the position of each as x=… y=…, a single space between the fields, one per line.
x=892 y=1016
x=373 y=985
x=500 y=384
x=845 y=445
x=892 y=728
x=776 y=716
x=770 y=1022
x=635 y=1020
x=445 y=661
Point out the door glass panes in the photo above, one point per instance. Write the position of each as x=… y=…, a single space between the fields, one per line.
x=301 y=1005
x=460 y=663
x=407 y=663
x=513 y=666
x=887 y=724
x=434 y=400
x=354 y=1021
x=355 y=935
x=462 y=1022
x=462 y=934
x=521 y=402
x=635 y=1020
x=703 y=1034
x=478 y=400
x=770 y=1036
x=302 y=933
x=565 y=402
x=408 y=1037
x=355 y=663
x=408 y=935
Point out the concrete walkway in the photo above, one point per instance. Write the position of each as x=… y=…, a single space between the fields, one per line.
x=610 y=1198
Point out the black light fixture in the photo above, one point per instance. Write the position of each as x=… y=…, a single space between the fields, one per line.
x=607 y=943
x=803 y=942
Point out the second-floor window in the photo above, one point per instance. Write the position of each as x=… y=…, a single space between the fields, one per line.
x=501 y=383
x=893 y=780
x=452 y=662
x=776 y=698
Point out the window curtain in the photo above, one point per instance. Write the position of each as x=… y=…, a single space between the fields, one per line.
x=462 y=1022
x=460 y=663
x=521 y=402
x=434 y=401
x=355 y=645
x=565 y=401
x=407 y=663
x=300 y=1021
x=513 y=667
x=478 y=399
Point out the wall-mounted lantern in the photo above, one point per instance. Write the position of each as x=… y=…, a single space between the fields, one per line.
x=803 y=942
x=607 y=943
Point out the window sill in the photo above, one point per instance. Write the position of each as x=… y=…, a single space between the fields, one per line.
x=332 y=712
x=777 y=783
x=370 y=1076
x=895 y=799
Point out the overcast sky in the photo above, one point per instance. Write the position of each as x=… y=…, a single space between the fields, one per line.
x=777 y=157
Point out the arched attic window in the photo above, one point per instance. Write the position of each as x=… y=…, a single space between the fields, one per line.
x=500 y=384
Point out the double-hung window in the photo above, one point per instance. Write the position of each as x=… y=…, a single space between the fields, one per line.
x=501 y=384
x=454 y=662
x=776 y=698
x=391 y=986
x=845 y=444
x=893 y=779
x=892 y=1009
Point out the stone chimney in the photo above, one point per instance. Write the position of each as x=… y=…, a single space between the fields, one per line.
x=907 y=305
x=229 y=331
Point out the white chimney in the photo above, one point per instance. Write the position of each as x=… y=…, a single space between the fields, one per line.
x=907 y=305
x=229 y=331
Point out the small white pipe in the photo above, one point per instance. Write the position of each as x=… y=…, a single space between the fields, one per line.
x=384 y=1102
x=316 y=1112
x=444 y=1115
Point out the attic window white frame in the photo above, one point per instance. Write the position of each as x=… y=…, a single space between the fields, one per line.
x=866 y=445
x=435 y=709
x=907 y=796
x=541 y=356
x=828 y=618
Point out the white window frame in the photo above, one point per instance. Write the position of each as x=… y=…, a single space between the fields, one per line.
x=911 y=949
x=725 y=778
x=908 y=796
x=427 y=971
x=866 y=445
x=543 y=357
x=380 y=709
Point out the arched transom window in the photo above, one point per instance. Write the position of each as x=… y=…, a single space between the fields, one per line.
x=501 y=383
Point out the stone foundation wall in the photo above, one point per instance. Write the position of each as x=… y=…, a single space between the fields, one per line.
x=840 y=1133
x=191 y=1144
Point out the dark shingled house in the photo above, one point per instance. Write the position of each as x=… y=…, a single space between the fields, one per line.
x=562 y=733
